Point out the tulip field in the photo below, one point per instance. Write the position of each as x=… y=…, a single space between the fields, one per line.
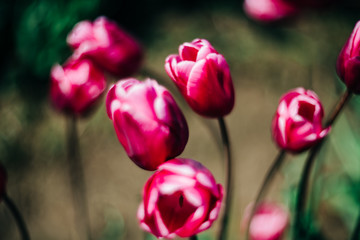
x=198 y=120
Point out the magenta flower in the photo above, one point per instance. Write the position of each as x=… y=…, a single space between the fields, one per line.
x=269 y=10
x=297 y=123
x=76 y=86
x=147 y=121
x=269 y=222
x=181 y=198
x=348 y=62
x=203 y=77
x=109 y=46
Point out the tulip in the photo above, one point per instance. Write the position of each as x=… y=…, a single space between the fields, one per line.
x=269 y=10
x=348 y=62
x=181 y=198
x=76 y=86
x=297 y=123
x=110 y=47
x=203 y=77
x=147 y=121
x=269 y=222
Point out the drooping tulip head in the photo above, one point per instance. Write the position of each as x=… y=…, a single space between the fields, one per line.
x=181 y=198
x=348 y=62
x=203 y=77
x=109 y=46
x=76 y=87
x=148 y=122
x=268 y=11
x=297 y=123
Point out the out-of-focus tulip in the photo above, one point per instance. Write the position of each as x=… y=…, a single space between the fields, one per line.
x=181 y=198
x=269 y=222
x=147 y=121
x=203 y=77
x=348 y=63
x=107 y=45
x=269 y=10
x=3 y=180
x=76 y=86
x=297 y=123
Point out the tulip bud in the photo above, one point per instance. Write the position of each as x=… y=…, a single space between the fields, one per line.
x=203 y=77
x=110 y=47
x=297 y=123
x=181 y=198
x=268 y=223
x=269 y=10
x=76 y=86
x=147 y=121
x=348 y=62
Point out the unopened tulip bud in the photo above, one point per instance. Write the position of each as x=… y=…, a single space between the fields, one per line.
x=148 y=122
x=203 y=77
x=76 y=86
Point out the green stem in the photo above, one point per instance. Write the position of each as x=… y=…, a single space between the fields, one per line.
x=228 y=197
x=300 y=229
x=17 y=216
x=265 y=186
x=77 y=180
x=356 y=233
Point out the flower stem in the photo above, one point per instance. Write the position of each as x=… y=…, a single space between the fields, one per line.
x=356 y=233
x=300 y=229
x=194 y=237
x=18 y=218
x=226 y=144
x=265 y=186
x=77 y=181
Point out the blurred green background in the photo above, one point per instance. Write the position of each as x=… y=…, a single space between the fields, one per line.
x=265 y=60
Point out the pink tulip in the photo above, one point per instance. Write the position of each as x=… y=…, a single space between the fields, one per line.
x=297 y=123
x=348 y=63
x=203 y=77
x=181 y=198
x=269 y=10
x=147 y=121
x=269 y=222
x=76 y=86
x=107 y=45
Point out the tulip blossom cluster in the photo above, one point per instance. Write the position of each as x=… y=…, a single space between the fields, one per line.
x=181 y=198
x=99 y=47
x=297 y=123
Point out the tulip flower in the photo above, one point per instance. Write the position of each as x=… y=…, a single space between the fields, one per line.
x=269 y=222
x=181 y=198
x=147 y=121
x=203 y=77
x=109 y=46
x=348 y=62
x=269 y=10
x=76 y=86
x=297 y=123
